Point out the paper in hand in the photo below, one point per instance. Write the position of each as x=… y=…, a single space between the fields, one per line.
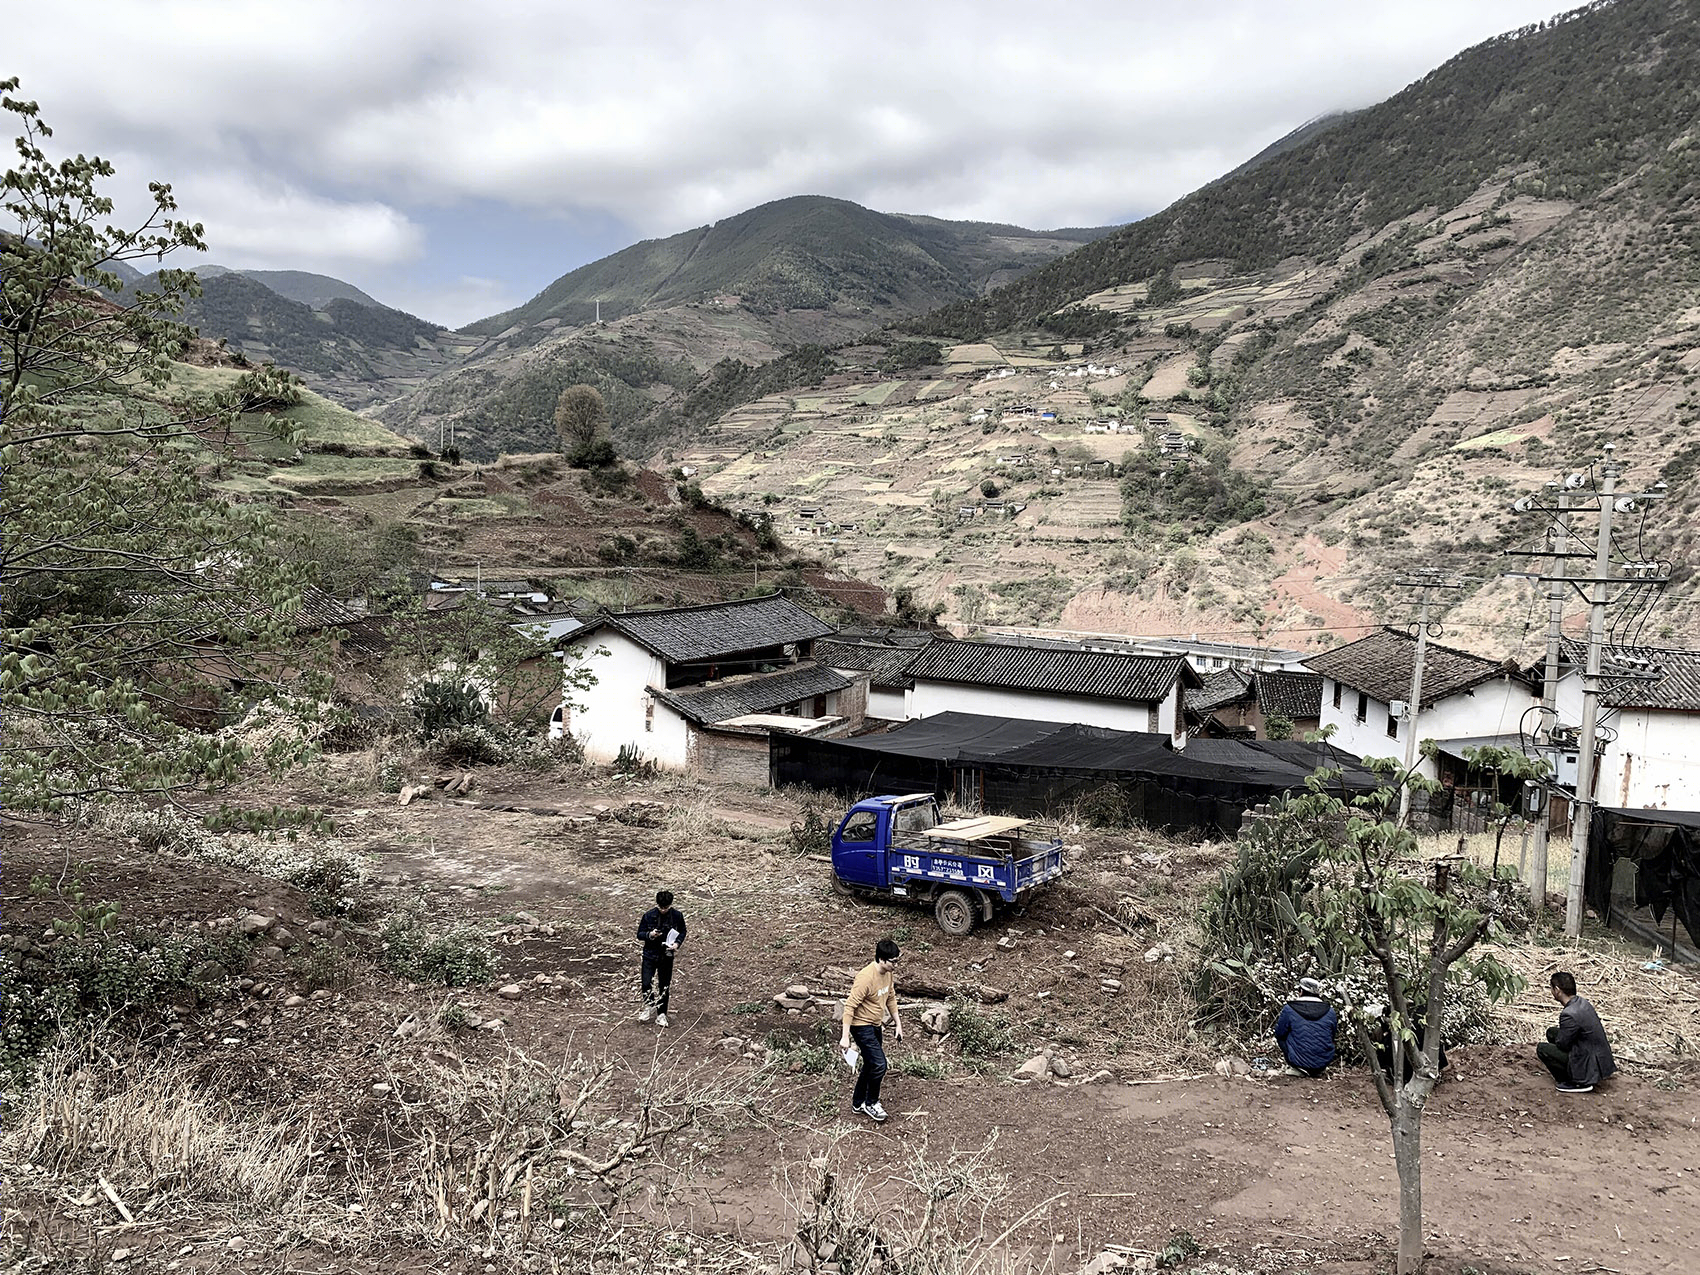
x=672 y=938
x=851 y=1056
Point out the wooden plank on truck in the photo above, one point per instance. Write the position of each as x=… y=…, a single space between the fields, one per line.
x=975 y=829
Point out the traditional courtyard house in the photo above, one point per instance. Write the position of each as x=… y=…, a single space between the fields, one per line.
x=1047 y=684
x=1650 y=714
x=1467 y=699
x=1238 y=703
x=887 y=668
x=690 y=687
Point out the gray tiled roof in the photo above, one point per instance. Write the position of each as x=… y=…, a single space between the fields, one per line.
x=1380 y=665
x=755 y=693
x=680 y=634
x=1291 y=695
x=1220 y=689
x=1676 y=686
x=889 y=665
x=1099 y=674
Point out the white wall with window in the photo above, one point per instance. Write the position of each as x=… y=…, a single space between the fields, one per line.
x=618 y=709
x=1368 y=727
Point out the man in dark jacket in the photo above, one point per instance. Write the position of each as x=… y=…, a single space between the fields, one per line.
x=662 y=932
x=1576 y=1052
x=1305 y=1030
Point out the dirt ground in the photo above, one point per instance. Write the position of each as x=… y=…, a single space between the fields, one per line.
x=1142 y=1141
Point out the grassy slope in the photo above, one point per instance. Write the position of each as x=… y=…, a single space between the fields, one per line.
x=807 y=251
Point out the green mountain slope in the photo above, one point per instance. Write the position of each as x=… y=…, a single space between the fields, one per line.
x=807 y=252
x=351 y=348
x=1581 y=101
x=315 y=290
x=783 y=281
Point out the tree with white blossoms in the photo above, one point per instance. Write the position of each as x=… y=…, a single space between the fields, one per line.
x=120 y=569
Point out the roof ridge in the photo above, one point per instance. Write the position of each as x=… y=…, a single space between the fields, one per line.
x=696 y=606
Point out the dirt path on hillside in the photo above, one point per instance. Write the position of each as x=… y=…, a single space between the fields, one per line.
x=1299 y=587
x=1265 y=1174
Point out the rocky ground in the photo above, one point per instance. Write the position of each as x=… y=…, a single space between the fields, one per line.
x=1051 y=1098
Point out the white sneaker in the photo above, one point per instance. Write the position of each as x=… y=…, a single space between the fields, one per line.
x=644 y=1013
x=874 y=1111
x=661 y=1020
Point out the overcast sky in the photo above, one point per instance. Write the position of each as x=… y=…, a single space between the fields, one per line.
x=453 y=159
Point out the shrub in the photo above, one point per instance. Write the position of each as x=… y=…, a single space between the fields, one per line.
x=466 y=745
x=439 y=704
x=979 y=1034
x=810 y=834
x=97 y=976
x=457 y=957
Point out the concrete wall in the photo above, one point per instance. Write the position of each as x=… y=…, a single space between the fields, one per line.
x=1654 y=761
x=1493 y=708
x=887 y=704
x=618 y=709
x=928 y=699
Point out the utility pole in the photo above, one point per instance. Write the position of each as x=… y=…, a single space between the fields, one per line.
x=1595 y=587
x=1549 y=701
x=1582 y=824
x=1426 y=580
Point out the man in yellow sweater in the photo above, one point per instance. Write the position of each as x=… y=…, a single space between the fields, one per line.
x=872 y=1000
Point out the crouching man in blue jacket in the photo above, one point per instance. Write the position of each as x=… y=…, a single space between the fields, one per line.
x=1305 y=1031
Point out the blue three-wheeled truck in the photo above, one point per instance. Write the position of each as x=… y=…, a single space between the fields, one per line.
x=896 y=848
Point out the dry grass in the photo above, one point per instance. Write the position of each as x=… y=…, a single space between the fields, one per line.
x=1653 y=1016
x=157 y=1141
x=928 y=1216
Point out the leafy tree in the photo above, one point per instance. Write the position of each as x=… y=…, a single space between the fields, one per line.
x=1333 y=887
x=134 y=598
x=511 y=666
x=581 y=420
x=1277 y=726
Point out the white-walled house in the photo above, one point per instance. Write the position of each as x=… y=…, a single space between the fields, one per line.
x=1650 y=711
x=701 y=687
x=1465 y=697
x=886 y=665
x=1048 y=684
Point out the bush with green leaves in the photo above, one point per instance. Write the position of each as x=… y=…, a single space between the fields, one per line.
x=459 y=956
x=97 y=976
x=977 y=1033
x=442 y=703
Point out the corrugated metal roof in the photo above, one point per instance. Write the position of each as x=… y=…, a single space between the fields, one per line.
x=1380 y=666
x=682 y=634
x=755 y=693
x=1099 y=674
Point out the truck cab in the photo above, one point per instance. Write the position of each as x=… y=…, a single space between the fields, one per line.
x=897 y=848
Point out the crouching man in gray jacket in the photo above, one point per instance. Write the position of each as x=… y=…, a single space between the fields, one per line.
x=1576 y=1052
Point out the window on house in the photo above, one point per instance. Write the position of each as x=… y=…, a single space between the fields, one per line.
x=1336 y=695
x=1392 y=725
x=820 y=706
x=1363 y=707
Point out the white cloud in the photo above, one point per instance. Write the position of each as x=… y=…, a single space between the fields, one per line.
x=323 y=132
x=452 y=303
x=268 y=225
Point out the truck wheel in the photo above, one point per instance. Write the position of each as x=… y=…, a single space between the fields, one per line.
x=956 y=912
